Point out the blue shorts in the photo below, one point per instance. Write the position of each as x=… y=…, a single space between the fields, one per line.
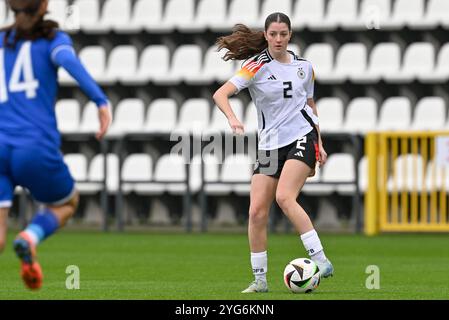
x=40 y=170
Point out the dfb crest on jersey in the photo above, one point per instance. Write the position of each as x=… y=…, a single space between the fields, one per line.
x=301 y=74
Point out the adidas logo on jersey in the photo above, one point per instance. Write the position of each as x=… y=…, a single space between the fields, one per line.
x=272 y=77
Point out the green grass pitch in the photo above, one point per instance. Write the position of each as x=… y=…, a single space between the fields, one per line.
x=168 y=266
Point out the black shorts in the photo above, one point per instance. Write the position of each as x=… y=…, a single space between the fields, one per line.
x=305 y=149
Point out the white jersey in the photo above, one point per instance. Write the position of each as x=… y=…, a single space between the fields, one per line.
x=279 y=92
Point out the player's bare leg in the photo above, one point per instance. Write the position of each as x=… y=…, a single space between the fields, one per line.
x=291 y=181
x=3 y=227
x=263 y=189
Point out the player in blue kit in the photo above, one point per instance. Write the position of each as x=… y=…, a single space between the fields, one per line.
x=31 y=51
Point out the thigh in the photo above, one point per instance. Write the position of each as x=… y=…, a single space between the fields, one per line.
x=263 y=191
x=43 y=172
x=293 y=177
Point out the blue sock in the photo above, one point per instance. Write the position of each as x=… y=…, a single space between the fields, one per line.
x=43 y=225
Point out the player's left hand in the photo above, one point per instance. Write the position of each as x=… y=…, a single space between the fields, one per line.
x=322 y=155
x=105 y=119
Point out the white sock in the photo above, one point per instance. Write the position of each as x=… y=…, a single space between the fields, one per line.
x=259 y=263
x=313 y=246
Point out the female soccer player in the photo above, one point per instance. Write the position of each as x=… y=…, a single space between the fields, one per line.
x=281 y=86
x=31 y=50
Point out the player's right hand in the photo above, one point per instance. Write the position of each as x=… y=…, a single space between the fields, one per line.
x=236 y=126
x=105 y=119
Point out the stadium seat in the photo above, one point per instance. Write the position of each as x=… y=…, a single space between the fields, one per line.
x=418 y=60
x=89 y=119
x=350 y=61
x=437 y=177
x=395 y=114
x=307 y=13
x=194 y=116
x=361 y=116
x=171 y=171
x=95 y=175
x=211 y=173
x=237 y=169
x=137 y=168
x=330 y=113
x=3 y=12
x=430 y=114
x=210 y=14
x=116 y=15
x=321 y=55
x=77 y=163
x=147 y=15
x=440 y=73
x=244 y=11
x=294 y=48
x=363 y=174
x=161 y=116
x=154 y=64
x=270 y=6
x=178 y=14
x=406 y=174
x=340 y=167
x=405 y=13
x=68 y=115
x=340 y=13
x=57 y=11
x=215 y=68
x=373 y=14
x=90 y=16
x=435 y=15
x=385 y=59
x=250 y=123
x=185 y=66
x=128 y=117
x=219 y=122
x=122 y=64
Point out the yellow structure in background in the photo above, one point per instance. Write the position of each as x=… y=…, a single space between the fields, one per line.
x=408 y=182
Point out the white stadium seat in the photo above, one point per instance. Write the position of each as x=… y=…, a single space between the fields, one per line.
x=128 y=117
x=77 y=163
x=210 y=14
x=307 y=13
x=440 y=73
x=340 y=167
x=154 y=63
x=330 y=113
x=315 y=187
x=430 y=114
x=361 y=116
x=211 y=173
x=68 y=115
x=244 y=11
x=419 y=59
x=238 y=169
x=89 y=118
x=89 y=16
x=215 y=68
x=138 y=168
x=178 y=14
x=161 y=116
x=194 y=116
x=321 y=55
x=171 y=168
x=384 y=60
x=363 y=174
x=340 y=13
x=395 y=114
x=122 y=63
x=96 y=174
x=350 y=61
x=147 y=15
x=116 y=15
x=405 y=13
x=57 y=11
x=435 y=15
x=437 y=177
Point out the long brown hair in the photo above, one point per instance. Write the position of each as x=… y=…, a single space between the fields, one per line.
x=29 y=23
x=244 y=43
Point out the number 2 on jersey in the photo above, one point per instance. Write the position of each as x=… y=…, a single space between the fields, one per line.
x=23 y=65
x=287 y=87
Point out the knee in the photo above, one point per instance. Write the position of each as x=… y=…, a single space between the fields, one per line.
x=284 y=200
x=258 y=214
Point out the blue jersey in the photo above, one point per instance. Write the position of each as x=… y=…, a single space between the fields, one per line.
x=29 y=86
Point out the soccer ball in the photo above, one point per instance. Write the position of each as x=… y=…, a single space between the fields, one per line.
x=301 y=275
